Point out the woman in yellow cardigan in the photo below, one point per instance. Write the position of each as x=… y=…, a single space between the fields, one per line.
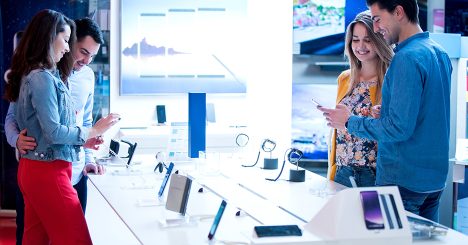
x=359 y=88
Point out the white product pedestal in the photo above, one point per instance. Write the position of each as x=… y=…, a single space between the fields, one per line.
x=341 y=220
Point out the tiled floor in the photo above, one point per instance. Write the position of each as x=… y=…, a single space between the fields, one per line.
x=7 y=230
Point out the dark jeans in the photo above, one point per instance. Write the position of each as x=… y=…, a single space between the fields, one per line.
x=423 y=204
x=364 y=176
x=81 y=188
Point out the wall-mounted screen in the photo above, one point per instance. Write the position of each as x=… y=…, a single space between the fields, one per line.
x=319 y=26
x=182 y=46
x=321 y=23
x=310 y=132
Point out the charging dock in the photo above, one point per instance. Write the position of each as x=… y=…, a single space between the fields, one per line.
x=297 y=175
x=270 y=163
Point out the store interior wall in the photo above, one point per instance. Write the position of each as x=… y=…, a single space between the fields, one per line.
x=265 y=107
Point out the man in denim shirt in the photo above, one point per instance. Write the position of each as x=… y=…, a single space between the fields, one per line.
x=414 y=125
x=81 y=85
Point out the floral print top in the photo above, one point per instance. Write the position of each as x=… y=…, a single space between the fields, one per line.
x=351 y=150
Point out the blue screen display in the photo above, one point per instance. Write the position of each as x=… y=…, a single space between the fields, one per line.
x=319 y=26
x=182 y=46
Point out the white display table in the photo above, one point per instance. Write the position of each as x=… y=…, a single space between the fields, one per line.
x=262 y=203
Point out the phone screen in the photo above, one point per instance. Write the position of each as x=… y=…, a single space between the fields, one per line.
x=277 y=230
x=372 y=212
x=166 y=178
x=217 y=219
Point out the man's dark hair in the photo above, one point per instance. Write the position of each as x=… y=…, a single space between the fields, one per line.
x=88 y=27
x=410 y=7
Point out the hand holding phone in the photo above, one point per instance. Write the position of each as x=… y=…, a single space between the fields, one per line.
x=316 y=103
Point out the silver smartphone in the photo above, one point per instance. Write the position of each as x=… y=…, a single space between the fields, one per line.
x=316 y=103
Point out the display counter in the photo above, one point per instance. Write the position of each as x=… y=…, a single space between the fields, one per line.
x=129 y=194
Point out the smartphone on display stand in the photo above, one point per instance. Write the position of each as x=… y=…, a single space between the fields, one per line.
x=395 y=210
x=372 y=212
x=217 y=219
x=277 y=230
x=166 y=178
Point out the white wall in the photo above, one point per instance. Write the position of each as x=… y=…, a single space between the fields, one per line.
x=265 y=108
x=270 y=78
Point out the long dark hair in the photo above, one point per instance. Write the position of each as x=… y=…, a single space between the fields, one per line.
x=36 y=50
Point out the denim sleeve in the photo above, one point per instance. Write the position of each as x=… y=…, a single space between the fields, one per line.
x=404 y=86
x=11 y=127
x=43 y=95
x=88 y=123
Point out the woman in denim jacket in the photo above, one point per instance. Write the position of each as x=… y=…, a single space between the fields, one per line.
x=37 y=79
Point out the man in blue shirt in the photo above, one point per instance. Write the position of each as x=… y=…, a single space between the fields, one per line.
x=81 y=85
x=414 y=125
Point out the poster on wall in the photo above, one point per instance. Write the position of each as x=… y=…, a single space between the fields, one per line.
x=182 y=46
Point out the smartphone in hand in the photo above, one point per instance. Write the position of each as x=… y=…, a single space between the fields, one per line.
x=316 y=103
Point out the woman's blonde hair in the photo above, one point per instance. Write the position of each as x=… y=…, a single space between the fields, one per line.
x=383 y=50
